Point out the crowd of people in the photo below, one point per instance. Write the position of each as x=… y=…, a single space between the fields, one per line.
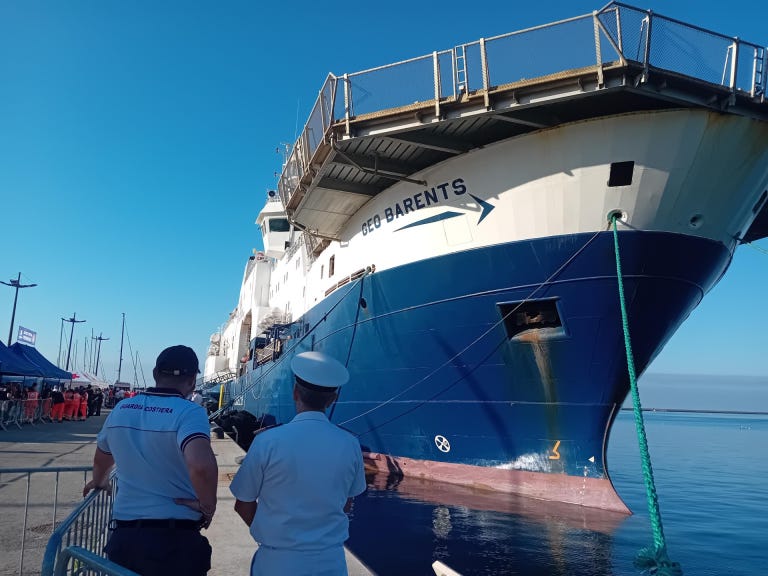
x=54 y=403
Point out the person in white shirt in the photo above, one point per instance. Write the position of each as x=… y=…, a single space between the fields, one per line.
x=297 y=481
x=166 y=473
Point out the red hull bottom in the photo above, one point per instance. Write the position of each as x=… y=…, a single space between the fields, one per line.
x=587 y=492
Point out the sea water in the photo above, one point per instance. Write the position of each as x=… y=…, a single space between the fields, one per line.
x=711 y=476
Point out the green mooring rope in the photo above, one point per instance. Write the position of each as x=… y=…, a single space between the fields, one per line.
x=655 y=558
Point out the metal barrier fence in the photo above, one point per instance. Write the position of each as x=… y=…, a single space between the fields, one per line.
x=85 y=528
x=618 y=33
x=33 y=506
x=86 y=562
x=18 y=412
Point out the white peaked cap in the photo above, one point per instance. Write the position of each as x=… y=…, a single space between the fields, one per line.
x=319 y=369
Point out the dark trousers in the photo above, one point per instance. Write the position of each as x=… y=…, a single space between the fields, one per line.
x=151 y=551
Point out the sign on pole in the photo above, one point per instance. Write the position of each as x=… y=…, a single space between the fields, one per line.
x=26 y=336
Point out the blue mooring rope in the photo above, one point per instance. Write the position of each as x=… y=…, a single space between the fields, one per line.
x=654 y=558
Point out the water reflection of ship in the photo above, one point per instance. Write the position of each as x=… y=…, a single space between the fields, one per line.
x=476 y=531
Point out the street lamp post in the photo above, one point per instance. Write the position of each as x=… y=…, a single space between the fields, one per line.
x=15 y=284
x=72 y=321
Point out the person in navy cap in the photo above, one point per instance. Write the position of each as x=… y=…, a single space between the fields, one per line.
x=297 y=481
x=166 y=473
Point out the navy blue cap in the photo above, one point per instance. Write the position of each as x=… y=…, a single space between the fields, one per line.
x=177 y=360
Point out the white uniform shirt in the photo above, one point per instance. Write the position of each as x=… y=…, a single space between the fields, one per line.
x=146 y=436
x=301 y=473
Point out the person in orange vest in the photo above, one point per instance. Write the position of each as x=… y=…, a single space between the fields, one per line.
x=83 y=404
x=75 y=404
x=57 y=412
x=69 y=404
x=31 y=404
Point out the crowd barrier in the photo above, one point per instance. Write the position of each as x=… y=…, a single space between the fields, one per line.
x=77 y=544
x=31 y=502
x=84 y=561
x=18 y=412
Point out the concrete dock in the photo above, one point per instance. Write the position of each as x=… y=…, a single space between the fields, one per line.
x=73 y=444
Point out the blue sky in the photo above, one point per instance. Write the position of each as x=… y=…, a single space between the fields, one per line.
x=138 y=139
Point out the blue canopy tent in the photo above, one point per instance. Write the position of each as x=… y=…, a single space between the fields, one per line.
x=13 y=364
x=47 y=368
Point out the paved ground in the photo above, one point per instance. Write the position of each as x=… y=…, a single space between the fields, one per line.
x=73 y=444
x=40 y=446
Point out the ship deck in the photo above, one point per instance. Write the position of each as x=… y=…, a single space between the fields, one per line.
x=370 y=129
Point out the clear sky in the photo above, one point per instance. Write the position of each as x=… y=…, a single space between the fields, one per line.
x=138 y=139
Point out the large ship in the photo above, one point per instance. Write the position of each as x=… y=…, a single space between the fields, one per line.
x=443 y=226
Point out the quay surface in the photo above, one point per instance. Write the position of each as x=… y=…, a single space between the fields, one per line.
x=73 y=444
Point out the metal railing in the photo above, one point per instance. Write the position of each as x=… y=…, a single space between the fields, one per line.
x=86 y=562
x=86 y=527
x=618 y=33
x=13 y=481
x=19 y=412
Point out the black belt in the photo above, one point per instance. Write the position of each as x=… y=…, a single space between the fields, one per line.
x=172 y=523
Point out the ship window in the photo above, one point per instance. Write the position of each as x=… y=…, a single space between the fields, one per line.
x=331 y=266
x=322 y=270
x=621 y=173
x=530 y=315
x=279 y=225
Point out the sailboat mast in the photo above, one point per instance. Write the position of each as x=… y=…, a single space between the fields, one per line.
x=120 y=364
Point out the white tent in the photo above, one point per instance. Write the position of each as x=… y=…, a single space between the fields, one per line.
x=80 y=379
x=86 y=379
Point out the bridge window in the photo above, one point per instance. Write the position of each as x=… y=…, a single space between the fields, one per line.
x=621 y=173
x=279 y=225
x=331 y=266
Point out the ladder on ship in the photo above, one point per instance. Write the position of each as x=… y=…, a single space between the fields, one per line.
x=761 y=55
x=460 y=70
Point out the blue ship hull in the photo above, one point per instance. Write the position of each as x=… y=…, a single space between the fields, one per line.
x=434 y=366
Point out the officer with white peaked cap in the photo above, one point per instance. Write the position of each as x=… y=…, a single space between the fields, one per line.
x=304 y=475
x=318 y=369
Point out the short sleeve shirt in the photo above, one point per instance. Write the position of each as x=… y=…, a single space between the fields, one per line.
x=146 y=436
x=301 y=474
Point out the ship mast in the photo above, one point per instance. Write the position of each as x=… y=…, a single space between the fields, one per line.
x=120 y=363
